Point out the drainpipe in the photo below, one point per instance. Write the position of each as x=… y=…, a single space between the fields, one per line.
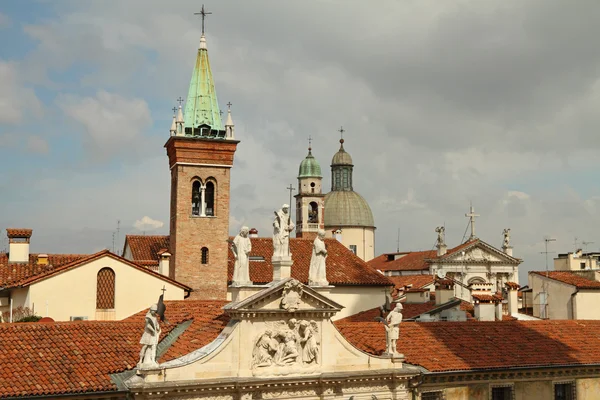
x=415 y=384
x=573 y=300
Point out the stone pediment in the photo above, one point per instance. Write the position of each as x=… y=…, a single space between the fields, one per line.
x=285 y=297
x=479 y=252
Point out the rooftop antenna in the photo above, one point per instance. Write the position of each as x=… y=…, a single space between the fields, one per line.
x=589 y=256
x=118 y=230
x=576 y=243
x=547 y=240
x=291 y=189
x=398 y=242
x=113 y=242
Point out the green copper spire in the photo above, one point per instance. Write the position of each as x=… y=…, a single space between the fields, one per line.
x=201 y=107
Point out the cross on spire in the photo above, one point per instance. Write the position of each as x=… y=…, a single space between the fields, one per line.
x=471 y=214
x=203 y=13
x=229 y=105
x=341 y=131
x=309 y=143
x=174 y=110
x=180 y=101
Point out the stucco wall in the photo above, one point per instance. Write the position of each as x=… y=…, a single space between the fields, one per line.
x=586 y=305
x=541 y=390
x=558 y=297
x=73 y=293
x=588 y=389
x=355 y=298
x=457 y=393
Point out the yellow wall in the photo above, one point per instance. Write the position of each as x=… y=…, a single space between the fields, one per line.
x=586 y=305
x=541 y=390
x=73 y=293
x=458 y=393
x=588 y=389
x=356 y=298
x=363 y=238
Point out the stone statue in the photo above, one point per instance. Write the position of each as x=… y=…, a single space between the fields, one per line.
x=287 y=352
x=392 y=329
x=282 y=226
x=506 y=234
x=317 y=274
x=149 y=340
x=241 y=247
x=265 y=348
x=309 y=343
x=441 y=239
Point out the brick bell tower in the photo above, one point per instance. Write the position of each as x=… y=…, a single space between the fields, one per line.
x=310 y=200
x=201 y=151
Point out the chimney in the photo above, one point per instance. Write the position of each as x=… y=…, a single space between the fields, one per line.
x=338 y=235
x=508 y=250
x=163 y=262
x=42 y=259
x=513 y=297
x=416 y=296
x=253 y=233
x=485 y=306
x=18 y=249
x=444 y=291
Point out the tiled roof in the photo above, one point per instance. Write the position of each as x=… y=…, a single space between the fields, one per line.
x=414 y=260
x=28 y=274
x=18 y=232
x=13 y=274
x=65 y=357
x=417 y=281
x=512 y=285
x=409 y=310
x=208 y=320
x=447 y=346
x=486 y=298
x=570 y=278
x=343 y=266
x=146 y=248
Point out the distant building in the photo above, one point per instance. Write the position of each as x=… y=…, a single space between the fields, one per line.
x=576 y=261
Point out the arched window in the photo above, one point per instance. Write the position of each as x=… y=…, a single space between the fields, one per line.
x=209 y=198
x=196 y=198
x=105 y=289
x=313 y=213
x=204 y=258
x=476 y=280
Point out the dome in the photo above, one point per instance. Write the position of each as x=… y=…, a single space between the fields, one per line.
x=341 y=157
x=347 y=208
x=309 y=167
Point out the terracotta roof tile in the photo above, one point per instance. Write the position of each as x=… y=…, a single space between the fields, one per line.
x=18 y=232
x=65 y=357
x=487 y=298
x=13 y=274
x=417 y=281
x=343 y=266
x=512 y=285
x=413 y=260
x=447 y=346
x=570 y=278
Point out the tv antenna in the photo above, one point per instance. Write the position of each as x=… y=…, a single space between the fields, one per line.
x=398 y=242
x=547 y=240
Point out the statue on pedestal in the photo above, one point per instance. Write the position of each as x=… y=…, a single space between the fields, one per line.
x=392 y=329
x=149 y=340
x=241 y=247
x=317 y=274
x=282 y=226
x=441 y=239
x=506 y=235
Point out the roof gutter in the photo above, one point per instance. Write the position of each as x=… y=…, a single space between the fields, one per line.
x=482 y=370
x=111 y=393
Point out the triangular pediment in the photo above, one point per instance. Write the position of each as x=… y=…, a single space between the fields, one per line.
x=479 y=252
x=285 y=297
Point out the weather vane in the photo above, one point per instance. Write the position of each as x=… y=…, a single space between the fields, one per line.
x=203 y=14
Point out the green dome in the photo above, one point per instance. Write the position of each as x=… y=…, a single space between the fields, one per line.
x=347 y=208
x=309 y=167
x=341 y=157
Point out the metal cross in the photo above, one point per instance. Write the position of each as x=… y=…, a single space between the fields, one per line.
x=221 y=113
x=164 y=289
x=309 y=142
x=204 y=14
x=174 y=110
x=472 y=217
x=180 y=100
x=341 y=131
x=229 y=105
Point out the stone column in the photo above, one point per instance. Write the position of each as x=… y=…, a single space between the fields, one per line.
x=202 y=201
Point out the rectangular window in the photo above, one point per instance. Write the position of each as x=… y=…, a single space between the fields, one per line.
x=352 y=248
x=564 y=391
x=502 y=393
x=435 y=395
x=582 y=265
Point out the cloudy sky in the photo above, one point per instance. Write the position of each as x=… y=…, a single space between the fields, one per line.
x=443 y=103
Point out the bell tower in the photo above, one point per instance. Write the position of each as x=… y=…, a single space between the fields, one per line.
x=201 y=151
x=310 y=198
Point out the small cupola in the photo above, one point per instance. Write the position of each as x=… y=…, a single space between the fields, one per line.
x=18 y=249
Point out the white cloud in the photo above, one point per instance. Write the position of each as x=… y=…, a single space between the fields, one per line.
x=37 y=144
x=147 y=224
x=111 y=123
x=16 y=100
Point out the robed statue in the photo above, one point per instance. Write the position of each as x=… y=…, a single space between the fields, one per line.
x=241 y=247
x=282 y=226
x=317 y=274
x=149 y=340
x=392 y=329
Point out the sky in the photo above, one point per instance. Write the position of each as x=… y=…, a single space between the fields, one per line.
x=443 y=104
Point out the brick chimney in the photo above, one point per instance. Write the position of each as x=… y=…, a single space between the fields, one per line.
x=18 y=249
x=444 y=291
x=163 y=262
x=513 y=298
x=42 y=259
x=253 y=233
x=485 y=306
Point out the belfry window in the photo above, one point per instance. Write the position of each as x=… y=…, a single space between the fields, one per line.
x=313 y=213
x=209 y=199
x=196 y=198
x=105 y=289
x=204 y=255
